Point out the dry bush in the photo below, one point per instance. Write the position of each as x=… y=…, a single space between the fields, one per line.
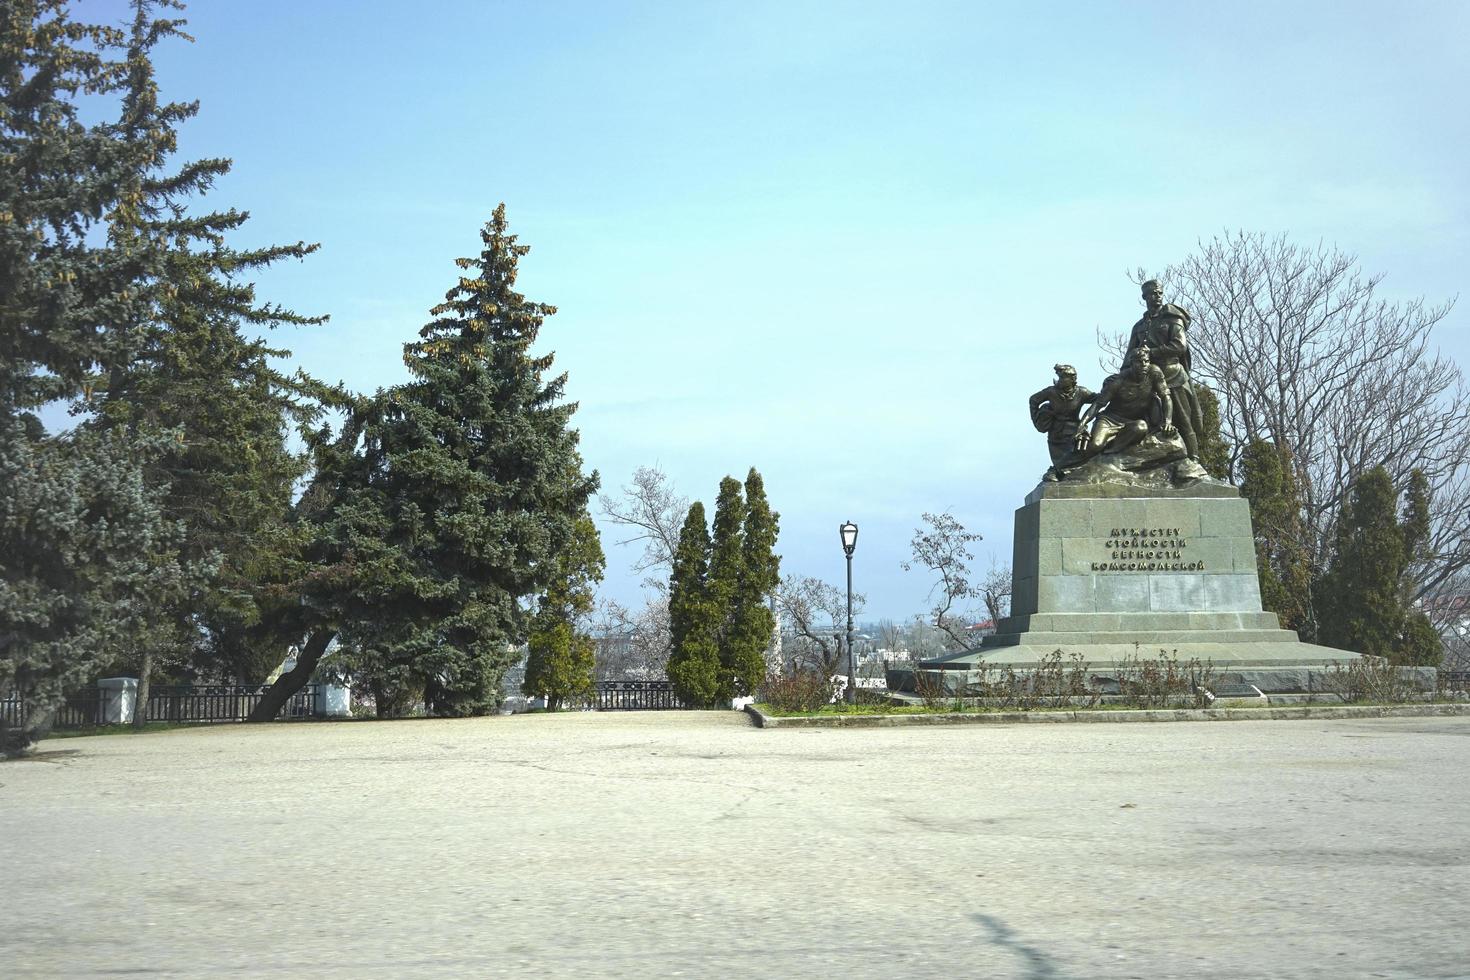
x=1369 y=679
x=1153 y=683
x=797 y=690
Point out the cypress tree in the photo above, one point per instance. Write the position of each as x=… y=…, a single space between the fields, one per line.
x=694 y=655
x=1419 y=642
x=1268 y=482
x=752 y=623
x=726 y=575
x=1214 y=454
x=1363 y=597
x=560 y=656
x=471 y=489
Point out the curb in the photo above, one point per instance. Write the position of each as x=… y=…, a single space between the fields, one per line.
x=1297 y=713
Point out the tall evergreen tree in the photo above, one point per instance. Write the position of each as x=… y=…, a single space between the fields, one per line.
x=451 y=518
x=694 y=655
x=66 y=285
x=726 y=573
x=86 y=554
x=1268 y=481
x=752 y=623
x=1361 y=599
x=228 y=473
x=1419 y=642
x=560 y=654
x=1214 y=454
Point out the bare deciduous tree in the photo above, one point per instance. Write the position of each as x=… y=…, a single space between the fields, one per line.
x=814 y=618
x=653 y=512
x=631 y=645
x=944 y=548
x=995 y=592
x=1303 y=352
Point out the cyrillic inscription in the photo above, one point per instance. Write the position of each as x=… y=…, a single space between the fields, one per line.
x=1146 y=549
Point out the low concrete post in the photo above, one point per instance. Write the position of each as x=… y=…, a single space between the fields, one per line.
x=333 y=701
x=117 y=699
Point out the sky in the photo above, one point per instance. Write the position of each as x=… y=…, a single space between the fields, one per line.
x=838 y=242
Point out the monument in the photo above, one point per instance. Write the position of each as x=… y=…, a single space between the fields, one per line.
x=1128 y=548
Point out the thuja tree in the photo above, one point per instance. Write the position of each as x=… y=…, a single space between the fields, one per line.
x=560 y=654
x=752 y=623
x=452 y=497
x=1361 y=600
x=694 y=652
x=719 y=594
x=1214 y=454
x=1268 y=481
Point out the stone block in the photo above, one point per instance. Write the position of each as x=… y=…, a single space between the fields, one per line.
x=1177 y=592
x=1108 y=514
x=1064 y=593
x=1121 y=593
x=1243 y=554
x=1225 y=519
x=1234 y=592
x=1065 y=519
x=1023 y=596
x=1074 y=556
x=1165 y=513
x=1050 y=556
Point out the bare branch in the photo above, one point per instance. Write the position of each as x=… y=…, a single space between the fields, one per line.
x=652 y=512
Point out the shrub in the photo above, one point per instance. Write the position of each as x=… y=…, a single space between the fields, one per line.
x=798 y=690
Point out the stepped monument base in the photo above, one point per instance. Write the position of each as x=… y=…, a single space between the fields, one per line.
x=1116 y=571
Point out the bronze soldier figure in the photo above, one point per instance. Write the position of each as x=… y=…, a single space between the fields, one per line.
x=1132 y=403
x=1163 y=330
x=1054 y=410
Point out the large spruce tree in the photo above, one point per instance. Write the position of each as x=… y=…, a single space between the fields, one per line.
x=467 y=495
x=86 y=549
x=227 y=472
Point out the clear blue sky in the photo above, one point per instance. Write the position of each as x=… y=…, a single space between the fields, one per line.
x=839 y=242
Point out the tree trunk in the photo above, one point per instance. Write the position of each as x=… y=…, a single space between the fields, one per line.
x=294 y=679
x=140 y=706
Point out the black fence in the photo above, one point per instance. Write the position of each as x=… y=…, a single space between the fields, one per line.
x=177 y=704
x=218 y=703
x=77 y=711
x=637 y=696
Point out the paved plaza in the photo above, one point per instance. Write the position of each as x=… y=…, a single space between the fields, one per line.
x=693 y=844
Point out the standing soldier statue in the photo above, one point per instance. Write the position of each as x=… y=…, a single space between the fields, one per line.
x=1164 y=331
x=1054 y=410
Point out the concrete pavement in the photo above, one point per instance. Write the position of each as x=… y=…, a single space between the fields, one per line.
x=693 y=844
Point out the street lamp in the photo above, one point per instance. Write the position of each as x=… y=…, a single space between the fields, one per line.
x=849 y=544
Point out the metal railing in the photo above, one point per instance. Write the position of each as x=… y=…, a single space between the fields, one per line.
x=637 y=696
x=179 y=704
x=220 y=703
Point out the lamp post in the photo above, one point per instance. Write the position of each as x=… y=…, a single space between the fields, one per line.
x=849 y=544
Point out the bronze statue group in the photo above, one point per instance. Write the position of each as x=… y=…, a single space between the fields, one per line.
x=1151 y=399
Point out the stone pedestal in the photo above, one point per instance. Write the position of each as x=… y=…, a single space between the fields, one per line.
x=1114 y=572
